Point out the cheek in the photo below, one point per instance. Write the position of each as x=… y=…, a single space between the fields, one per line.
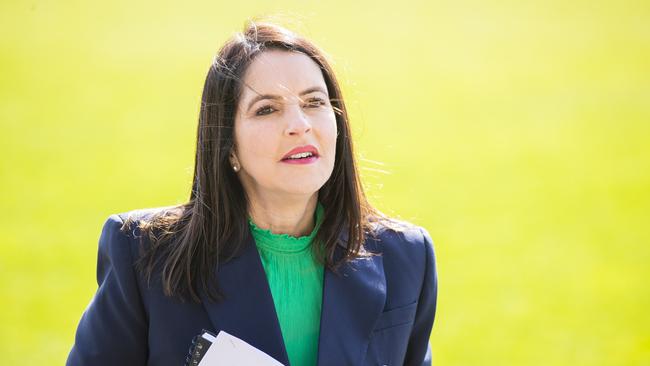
x=255 y=147
x=329 y=135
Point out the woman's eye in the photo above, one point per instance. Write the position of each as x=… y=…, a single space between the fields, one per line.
x=315 y=102
x=267 y=109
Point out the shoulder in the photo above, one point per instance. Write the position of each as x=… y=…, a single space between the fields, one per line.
x=120 y=230
x=137 y=223
x=396 y=235
x=407 y=249
x=135 y=218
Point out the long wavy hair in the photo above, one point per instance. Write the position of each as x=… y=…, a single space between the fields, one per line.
x=187 y=242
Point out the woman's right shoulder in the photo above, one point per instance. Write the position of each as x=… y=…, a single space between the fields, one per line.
x=137 y=221
x=138 y=226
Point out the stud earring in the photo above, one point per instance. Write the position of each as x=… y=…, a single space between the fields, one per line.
x=233 y=160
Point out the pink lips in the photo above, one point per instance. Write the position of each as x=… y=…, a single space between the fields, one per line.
x=308 y=160
x=301 y=149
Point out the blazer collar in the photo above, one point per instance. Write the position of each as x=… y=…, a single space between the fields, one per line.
x=352 y=301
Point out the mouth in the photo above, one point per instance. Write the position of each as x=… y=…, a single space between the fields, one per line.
x=301 y=153
x=301 y=156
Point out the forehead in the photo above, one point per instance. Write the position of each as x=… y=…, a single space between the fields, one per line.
x=282 y=73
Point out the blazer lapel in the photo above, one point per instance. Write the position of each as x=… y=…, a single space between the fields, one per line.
x=248 y=311
x=352 y=302
x=353 y=299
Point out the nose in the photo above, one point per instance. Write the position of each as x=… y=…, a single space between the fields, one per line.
x=297 y=122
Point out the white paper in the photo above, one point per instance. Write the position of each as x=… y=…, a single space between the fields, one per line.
x=228 y=350
x=209 y=337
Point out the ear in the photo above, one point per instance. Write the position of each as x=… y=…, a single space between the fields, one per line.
x=233 y=158
x=234 y=163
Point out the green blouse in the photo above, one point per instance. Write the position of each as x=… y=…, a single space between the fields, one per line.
x=296 y=282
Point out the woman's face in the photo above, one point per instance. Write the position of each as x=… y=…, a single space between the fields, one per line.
x=284 y=105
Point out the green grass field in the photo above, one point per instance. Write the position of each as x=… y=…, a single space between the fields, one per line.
x=516 y=132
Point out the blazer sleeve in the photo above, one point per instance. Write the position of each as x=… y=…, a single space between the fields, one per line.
x=113 y=328
x=418 y=352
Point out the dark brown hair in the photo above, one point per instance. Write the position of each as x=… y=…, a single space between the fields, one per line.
x=188 y=241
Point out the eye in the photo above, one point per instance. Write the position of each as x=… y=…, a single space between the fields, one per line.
x=262 y=111
x=315 y=102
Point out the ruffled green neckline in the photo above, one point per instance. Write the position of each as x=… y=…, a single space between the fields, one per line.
x=265 y=239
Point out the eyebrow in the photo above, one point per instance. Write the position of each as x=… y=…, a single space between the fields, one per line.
x=259 y=97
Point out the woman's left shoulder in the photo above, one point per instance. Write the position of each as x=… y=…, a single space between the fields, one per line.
x=400 y=236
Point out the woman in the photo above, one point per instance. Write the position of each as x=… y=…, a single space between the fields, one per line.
x=277 y=245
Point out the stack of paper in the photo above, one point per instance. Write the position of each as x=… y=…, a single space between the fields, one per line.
x=227 y=350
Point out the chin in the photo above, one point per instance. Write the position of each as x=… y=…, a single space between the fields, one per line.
x=303 y=189
x=302 y=192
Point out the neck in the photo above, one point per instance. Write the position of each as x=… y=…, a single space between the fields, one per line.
x=293 y=217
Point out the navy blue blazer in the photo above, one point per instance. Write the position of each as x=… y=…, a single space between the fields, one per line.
x=376 y=311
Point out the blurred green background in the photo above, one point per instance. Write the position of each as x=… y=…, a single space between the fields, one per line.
x=516 y=132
